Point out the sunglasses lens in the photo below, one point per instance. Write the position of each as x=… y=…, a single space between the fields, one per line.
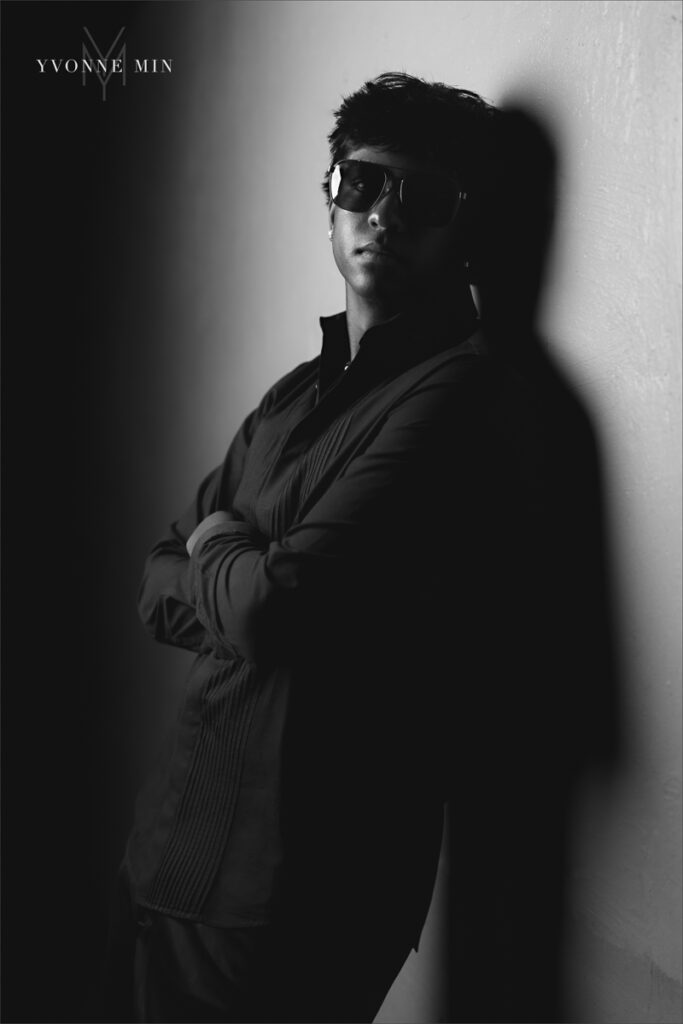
x=355 y=185
x=430 y=199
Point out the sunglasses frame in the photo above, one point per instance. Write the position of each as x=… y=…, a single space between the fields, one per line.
x=399 y=175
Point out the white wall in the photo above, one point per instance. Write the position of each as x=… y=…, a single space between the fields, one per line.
x=253 y=273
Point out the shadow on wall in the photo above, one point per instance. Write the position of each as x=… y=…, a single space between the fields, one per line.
x=546 y=717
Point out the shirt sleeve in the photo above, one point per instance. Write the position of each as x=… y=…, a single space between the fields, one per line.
x=165 y=600
x=371 y=537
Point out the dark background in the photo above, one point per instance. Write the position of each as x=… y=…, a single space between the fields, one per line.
x=81 y=252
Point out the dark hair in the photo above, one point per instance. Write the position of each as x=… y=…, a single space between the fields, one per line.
x=431 y=120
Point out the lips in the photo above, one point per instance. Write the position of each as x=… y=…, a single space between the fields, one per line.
x=379 y=252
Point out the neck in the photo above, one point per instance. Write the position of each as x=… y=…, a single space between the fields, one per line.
x=362 y=314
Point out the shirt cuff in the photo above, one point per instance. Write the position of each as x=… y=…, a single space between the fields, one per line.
x=214 y=519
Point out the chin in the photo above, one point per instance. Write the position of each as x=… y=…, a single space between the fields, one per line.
x=381 y=286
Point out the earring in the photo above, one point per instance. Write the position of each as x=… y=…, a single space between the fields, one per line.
x=329 y=234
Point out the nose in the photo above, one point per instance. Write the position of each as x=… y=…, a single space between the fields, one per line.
x=387 y=211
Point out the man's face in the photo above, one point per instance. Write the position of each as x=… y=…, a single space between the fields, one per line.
x=384 y=256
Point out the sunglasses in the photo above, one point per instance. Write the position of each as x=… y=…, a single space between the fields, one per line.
x=429 y=199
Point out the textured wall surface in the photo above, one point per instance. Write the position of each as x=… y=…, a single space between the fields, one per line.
x=249 y=272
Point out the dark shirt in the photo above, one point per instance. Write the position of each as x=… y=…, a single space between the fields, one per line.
x=307 y=766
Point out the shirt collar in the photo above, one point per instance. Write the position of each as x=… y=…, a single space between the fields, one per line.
x=400 y=342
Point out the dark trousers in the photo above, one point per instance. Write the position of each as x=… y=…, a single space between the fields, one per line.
x=300 y=969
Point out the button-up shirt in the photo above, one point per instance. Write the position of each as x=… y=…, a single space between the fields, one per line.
x=307 y=761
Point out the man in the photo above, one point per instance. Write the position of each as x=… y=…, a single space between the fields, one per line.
x=334 y=576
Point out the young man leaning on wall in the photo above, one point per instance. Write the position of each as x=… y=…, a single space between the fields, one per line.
x=345 y=578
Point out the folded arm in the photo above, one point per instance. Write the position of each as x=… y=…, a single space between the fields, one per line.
x=165 y=599
x=370 y=536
